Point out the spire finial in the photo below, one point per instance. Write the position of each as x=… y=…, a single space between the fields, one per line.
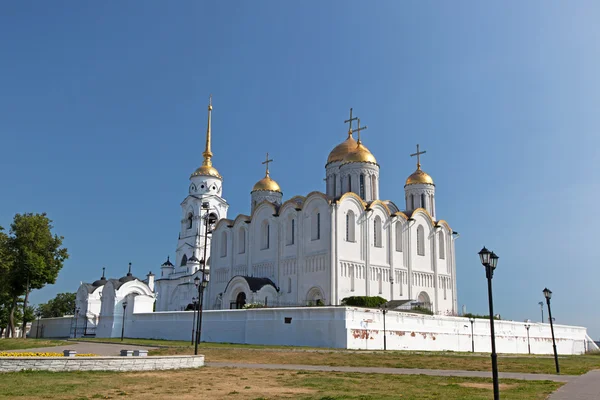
x=207 y=152
x=267 y=161
x=129 y=272
x=418 y=154
x=103 y=268
x=357 y=130
x=350 y=121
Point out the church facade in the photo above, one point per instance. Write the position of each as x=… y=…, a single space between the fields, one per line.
x=346 y=241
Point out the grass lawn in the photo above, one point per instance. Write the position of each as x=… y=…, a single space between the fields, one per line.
x=226 y=383
x=569 y=365
x=18 y=344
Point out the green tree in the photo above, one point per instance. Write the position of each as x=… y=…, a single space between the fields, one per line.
x=63 y=304
x=36 y=258
x=364 y=301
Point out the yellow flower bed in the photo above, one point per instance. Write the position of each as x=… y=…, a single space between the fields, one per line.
x=32 y=354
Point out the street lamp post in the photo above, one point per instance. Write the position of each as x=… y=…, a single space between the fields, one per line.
x=548 y=295
x=490 y=260
x=76 y=316
x=123 y=323
x=472 y=321
x=201 y=285
x=38 y=313
x=541 y=303
x=527 y=326
x=384 y=311
x=195 y=306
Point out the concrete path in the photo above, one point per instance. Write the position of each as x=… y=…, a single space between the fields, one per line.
x=401 y=371
x=100 y=349
x=583 y=388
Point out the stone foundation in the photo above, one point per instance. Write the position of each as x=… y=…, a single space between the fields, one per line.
x=58 y=364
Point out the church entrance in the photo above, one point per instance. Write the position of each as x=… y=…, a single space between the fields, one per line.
x=240 y=301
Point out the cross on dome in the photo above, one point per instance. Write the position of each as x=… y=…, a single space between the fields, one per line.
x=266 y=162
x=418 y=154
x=357 y=130
x=350 y=121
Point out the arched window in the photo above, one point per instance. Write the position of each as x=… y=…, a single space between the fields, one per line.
x=190 y=220
x=412 y=201
x=183 y=261
x=265 y=233
x=398 y=236
x=241 y=241
x=316 y=225
x=290 y=234
x=289 y=285
x=349 y=183
x=423 y=200
x=377 y=231
x=350 y=224
x=223 y=244
x=240 y=300
x=373 y=187
x=362 y=186
x=442 y=246
x=420 y=240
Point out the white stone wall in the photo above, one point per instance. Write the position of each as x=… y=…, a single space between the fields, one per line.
x=54 y=327
x=354 y=328
x=57 y=364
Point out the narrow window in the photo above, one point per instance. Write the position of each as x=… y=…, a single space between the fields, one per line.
x=350 y=224
x=374 y=187
x=377 y=232
x=412 y=201
x=289 y=285
x=420 y=241
x=349 y=183
x=398 y=236
x=423 y=200
x=223 y=244
x=293 y=229
x=268 y=236
x=290 y=231
x=242 y=241
x=318 y=226
x=183 y=261
x=442 y=247
x=362 y=186
x=334 y=185
x=190 y=220
x=265 y=230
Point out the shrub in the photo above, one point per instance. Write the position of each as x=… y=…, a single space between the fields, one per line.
x=364 y=301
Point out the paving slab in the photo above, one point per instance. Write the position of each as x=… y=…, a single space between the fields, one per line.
x=402 y=371
x=585 y=387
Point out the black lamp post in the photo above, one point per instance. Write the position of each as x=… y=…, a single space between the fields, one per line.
x=195 y=306
x=384 y=311
x=201 y=285
x=76 y=316
x=527 y=326
x=548 y=296
x=38 y=313
x=123 y=323
x=472 y=321
x=490 y=260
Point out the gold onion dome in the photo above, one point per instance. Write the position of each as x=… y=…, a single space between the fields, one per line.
x=342 y=150
x=266 y=184
x=419 y=177
x=207 y=170
x=360 y=154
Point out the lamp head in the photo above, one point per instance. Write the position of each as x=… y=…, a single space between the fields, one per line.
x=125 y=304
x=547 y=293
x=493 y=260
x=196 y=281
x=484 y=256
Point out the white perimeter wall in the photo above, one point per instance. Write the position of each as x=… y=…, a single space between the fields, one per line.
x=352 y=328
x=52 y=327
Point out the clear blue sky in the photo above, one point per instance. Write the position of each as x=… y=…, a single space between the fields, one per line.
x=103 y=114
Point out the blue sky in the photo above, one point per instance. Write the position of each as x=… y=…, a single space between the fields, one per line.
x=103 y=114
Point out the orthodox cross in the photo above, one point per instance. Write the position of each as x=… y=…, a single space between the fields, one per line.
x=103 y=271
x=418 y=154
x=357 y=130
x=350 y=121
x=267 y=161
x=129 y=272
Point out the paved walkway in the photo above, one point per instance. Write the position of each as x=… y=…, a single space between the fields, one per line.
x=100 y=349
x=401 y=371
x=583 y=388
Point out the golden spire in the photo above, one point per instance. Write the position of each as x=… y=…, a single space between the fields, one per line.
x=207 y=153
x=418 y=154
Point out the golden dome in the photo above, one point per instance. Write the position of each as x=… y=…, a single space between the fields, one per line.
x=266 y=184
x=341 y=150
x=360 y=154
x=207 y=170
x=419 y=177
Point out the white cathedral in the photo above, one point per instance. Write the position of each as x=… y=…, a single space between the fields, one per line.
x=315 y=249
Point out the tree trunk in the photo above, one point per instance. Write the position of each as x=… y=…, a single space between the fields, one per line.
x=11 y=319
x=24 y=328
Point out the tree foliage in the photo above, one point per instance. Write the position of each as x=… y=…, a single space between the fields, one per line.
x=63 y=304
x=31 y=257
x=364 y=301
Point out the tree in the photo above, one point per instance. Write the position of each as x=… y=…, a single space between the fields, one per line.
x=63 y=304
x=36 y=257
x=364 y=301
